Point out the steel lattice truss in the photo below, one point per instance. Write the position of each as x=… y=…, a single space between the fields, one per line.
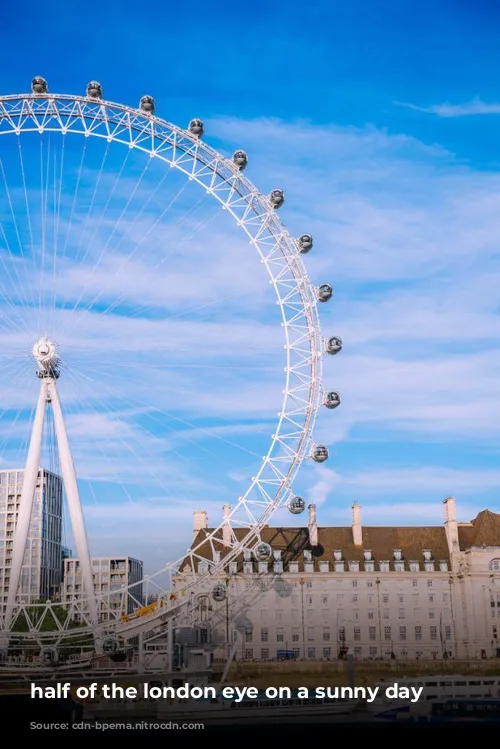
x=297 y=297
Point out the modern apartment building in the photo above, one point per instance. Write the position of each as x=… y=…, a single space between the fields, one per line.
x=111 y=574
x=375 y=592
x=42 y=569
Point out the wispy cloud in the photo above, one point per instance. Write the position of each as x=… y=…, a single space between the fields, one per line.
x=474 y=107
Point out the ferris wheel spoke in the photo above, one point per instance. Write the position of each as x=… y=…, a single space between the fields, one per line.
x=125 y=443
x=106 y=457
x=27 y=204
x=257 y=428
x=112 y=306
x=178 y=420
x=71 y=218
x=146 y=434
x=99 y=223
x=57 y=198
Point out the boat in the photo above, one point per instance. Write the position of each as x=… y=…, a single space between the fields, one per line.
x=258 y=709
x=444 y=711
x=434 y=688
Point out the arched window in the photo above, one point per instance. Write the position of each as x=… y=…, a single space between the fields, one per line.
x=495 y=565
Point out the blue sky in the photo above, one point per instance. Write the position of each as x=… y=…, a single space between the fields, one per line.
x=380 y=120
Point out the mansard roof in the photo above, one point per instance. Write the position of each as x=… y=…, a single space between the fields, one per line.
x=292 y=542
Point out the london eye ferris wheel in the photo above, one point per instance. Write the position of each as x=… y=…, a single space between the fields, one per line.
x=153 y=306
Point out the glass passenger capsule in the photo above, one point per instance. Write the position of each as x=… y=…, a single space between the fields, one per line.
x=305 y=242
x=324 y=292
x=240 y=159
x=263 y=552
x=296 y=505
x=195 y=127
x=94 y=90
x=319 y=453
x=219 y=593
x=332 y=400
x=110 y=645
x=277 y=198
x=147 y=104
x=333 y=345
x=39 y=85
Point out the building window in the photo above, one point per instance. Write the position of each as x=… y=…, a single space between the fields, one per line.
x=372 y=651
x=429 y=583
x=249 y=654
x=401 y=613
x=385 y=598
x=324 y=600
x=495 y=565
x=248 y=635
x=326 y=634
x=447 y=633
x=386 y=614
x=371 y=615
x=354 y=583
x=327 y=653
x=280 y=635
x=372 y=633
x=264 y=654
x=264 y=635
x=433 y=631
x=311 y=652
x=369 y=583
x=431 y=614
x=402 y=633
x=342 y=634
x=414 y=583
x=418 y=633
x=295 y=635
x=357 y=633
x=358 y=652
x=310 y=634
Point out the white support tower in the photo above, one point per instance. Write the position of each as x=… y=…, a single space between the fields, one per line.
x=47 y=359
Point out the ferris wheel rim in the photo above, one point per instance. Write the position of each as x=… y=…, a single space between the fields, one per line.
x=220 y=166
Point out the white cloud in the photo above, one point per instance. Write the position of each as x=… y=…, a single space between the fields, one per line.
x=474 y=107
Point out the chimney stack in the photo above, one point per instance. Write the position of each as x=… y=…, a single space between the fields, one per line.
x=450 y=523
x=226 y=528
x=357 y=528
x=200 y=522
x=313 y=526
